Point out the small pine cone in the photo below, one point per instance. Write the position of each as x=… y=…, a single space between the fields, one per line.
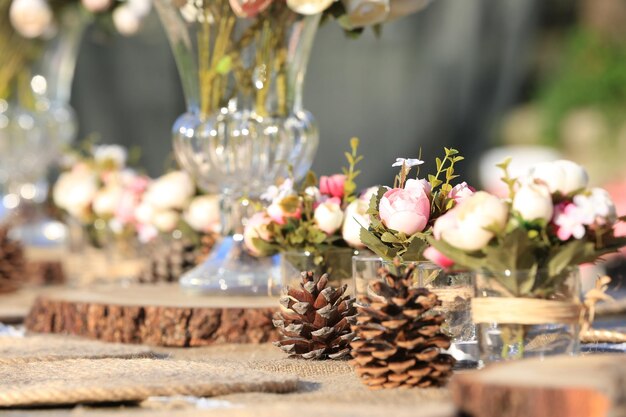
x=314 y=320
x=207 y=242
x=398 y=335
x=12 y=263
x=168 y=260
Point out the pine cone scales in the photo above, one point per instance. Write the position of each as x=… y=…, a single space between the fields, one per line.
x=315 y=320
x=12 y=263
x=168 y=260
x=399 y=337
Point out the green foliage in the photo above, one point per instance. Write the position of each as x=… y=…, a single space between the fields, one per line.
x=350 y=172
x=592 y=73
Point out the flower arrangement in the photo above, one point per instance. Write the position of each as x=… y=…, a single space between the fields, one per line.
x=39 y=19
x=550 y=222
x=101 y=192
x=314 y=217
x=401 y=218
x=25 y=26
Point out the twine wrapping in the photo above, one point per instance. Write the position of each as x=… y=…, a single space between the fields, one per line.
x=527 y=311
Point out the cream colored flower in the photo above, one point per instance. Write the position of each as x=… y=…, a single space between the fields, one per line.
x=31 y=18
x=309 y=7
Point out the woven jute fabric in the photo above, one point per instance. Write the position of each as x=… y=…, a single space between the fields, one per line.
x=77 y=381
x=47 y=348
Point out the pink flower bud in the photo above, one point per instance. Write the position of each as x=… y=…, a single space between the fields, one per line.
x=333 y=185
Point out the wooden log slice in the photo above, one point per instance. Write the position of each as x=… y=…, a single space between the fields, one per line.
x=564 y=386
x=158 y=315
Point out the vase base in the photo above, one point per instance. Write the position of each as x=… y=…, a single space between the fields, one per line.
x=230 y=270
x=467 y=354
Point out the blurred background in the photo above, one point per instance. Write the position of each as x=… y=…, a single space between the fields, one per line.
x=471 y=74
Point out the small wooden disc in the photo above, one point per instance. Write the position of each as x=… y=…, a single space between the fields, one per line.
x=563 y=386
x=158 y=315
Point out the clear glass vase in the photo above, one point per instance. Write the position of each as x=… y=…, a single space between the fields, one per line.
x=245 y=125
x=337 y=263
x=513 y=324
x=36 y=123
x=455 y=290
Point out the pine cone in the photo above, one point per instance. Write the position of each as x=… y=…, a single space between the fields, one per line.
x=399 y=336
x=168 y=260
x=12 y=263
x=314 y=320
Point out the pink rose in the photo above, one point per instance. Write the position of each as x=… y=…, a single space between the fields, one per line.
x=131 y=198
x=333 y=185
x=460 y=192
x=249 y=8
x=405 y=210
x=437 y=257
x=418 y=186
x=256 y=228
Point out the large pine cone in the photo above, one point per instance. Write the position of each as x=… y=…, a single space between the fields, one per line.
x=12 y=263
x=314 y=320
x=399 y=338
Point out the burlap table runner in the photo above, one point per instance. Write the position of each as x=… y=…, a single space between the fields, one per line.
x=76 y=381
x=47 y=348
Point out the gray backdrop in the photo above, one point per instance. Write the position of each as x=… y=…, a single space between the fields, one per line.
x=442 y=77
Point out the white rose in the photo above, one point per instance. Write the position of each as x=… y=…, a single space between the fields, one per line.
x=171 y=191
x=256 y=228
x=96 y=6
x=309 y=7
x=114 y=154
x=560 y=176
x=465 y=226
x=31 y=18
x=355 y=219
x=107 y=200
x=366 y=12
x=165 y=220
x=74 y=191
x=141 y=8
x=144 y=213
x=203 y=214
x=534 y=202
x=328 y=217
x=126 y=21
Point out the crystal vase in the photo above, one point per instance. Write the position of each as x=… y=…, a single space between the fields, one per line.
x=512 y=324
x=36 y=123
x=245 y=126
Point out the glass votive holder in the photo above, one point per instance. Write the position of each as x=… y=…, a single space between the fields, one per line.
x=364 y=270
x=455 y=289
x=334 y=262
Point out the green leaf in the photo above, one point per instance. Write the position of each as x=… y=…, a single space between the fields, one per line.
x=388 y=237
x=376 y=246
x=415 y=250
x=438 y=163
x=460 y=257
